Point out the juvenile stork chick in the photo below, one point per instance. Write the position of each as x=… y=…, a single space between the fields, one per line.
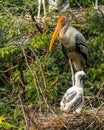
x=74 y=97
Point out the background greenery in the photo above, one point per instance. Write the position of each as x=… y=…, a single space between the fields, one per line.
x=28 y=73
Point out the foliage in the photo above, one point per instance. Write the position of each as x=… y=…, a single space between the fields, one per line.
x=80 y=3
x=96 y=43
x=83 y=3
x=28 y=70
x=5 y=125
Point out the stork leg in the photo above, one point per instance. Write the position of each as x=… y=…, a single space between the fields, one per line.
x=44 y=8
x=39 y=7
x=72 y=72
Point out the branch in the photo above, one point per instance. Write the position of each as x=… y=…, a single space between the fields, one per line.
x=94 y=97
x=33 y=19
x=24 y=115
x=9 y=69
x=101 y=14
x=99 y=108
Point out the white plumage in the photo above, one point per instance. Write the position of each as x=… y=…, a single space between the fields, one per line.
x=57 y=5
x=41 y=2
x=96 y=5
x=74 y=98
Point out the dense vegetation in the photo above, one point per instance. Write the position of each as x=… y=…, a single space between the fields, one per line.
x=29 y=75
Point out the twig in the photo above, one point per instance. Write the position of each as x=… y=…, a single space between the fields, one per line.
x=55 y=81
x=6 y=79
x=99 y=92
x=97 y=8
x=22 y=79
x=99 y=108
x=90 y=125
x=78 y=4
x=44 y=85
x=24 y=115
x=32 y=17
x=102 y=15
x=9 y=69
x=94 y=97
x=40 y=65
x=6 y=11
x=32 y=73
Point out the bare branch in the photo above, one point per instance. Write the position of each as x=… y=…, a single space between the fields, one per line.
x=9 y=69
x=24 y=115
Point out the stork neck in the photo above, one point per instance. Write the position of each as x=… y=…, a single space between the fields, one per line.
x=79 y=83
x=65 y=27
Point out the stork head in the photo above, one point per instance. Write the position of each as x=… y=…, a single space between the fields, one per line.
x=62 y=21
x=80 y=76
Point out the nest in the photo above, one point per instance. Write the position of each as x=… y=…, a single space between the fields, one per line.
x=93 y=120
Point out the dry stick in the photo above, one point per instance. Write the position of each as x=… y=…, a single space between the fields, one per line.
x=30 y=71
x=32 y=60
x=99 y=92
x=88 y=100
x=44 y=81
x=94 y=97
x=102 y=15
x=78 y=4
x=33 y=19
x=5 y=78
x=6 y=11
x=9 y=69
x=99 y=108
x=90 y=125
x=96 y=4
x=33 y=74
x=22 y=80
x=46 y=101
x=44 y=84
x=55 y=81
x=40 y=65
x=32 y=121
x=24 y=115
x=38 y=81
x=63 y=124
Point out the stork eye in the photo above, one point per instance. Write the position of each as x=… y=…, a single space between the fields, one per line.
x=63 y=22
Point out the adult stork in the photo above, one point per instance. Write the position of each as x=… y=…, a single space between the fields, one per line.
x=41 y=2
x=58 y=5
x=96 y=5
x=73 y=44
x=74 y=98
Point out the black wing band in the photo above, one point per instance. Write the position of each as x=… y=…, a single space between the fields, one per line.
x=70 y=96
x=78 y=101
x=81 y=46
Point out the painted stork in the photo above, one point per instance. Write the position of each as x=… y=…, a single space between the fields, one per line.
x=57 y=5
x=73 y=44
x=73 y=98
x=96 y=5
x=41 y=2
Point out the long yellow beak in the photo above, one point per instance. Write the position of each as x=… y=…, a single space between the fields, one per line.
x=54 y=36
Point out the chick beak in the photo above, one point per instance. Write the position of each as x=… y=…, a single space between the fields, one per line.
x=84 y=77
